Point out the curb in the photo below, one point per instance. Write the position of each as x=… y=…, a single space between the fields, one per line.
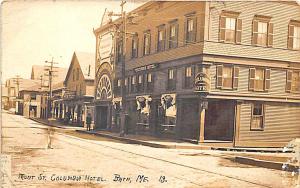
x=266 y=164
x=48 y=124
x=128 y=140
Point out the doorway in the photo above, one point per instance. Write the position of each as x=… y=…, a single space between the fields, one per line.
x=219 y=120
x=101 y=117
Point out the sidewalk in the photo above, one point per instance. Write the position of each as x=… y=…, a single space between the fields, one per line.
x=262 y=157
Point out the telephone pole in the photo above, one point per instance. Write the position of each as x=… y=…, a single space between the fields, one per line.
x=49 y=69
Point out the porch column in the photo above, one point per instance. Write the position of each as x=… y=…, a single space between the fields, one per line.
x=201 y=121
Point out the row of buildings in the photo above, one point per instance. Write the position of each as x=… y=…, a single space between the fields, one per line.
x=199 y=71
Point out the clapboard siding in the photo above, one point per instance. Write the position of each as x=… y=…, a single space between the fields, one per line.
x=160 y=13
x=282 y=123
x=277 y=89
x=281 y=14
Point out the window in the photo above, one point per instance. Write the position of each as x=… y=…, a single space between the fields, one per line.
x=150 y=82
x=73 y=74
x=293 y=81
x=230 y=28
x=126 y=85
x=77 y=75
x=188 y=77
x=171 y=85
x=294 y=35
x=173 y=35
x=140 y=85
x=259 y=79
x=147 y=43
x=227 y=77
x=161 y=38
x=119 y=51
x=190 y=29
x=33 y=96
x=134 y=51
x=133 y=84
x=257 y=117
x=262 y=31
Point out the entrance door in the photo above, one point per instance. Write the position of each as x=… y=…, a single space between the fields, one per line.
x=101 y=117
x=219 y=120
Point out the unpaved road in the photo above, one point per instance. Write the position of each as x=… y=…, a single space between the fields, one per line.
x=88 y=161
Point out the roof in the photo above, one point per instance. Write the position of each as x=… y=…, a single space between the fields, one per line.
x=87 y=64
x=39 y=70
x=59 y=85
x=23 y=83
x=36 y=87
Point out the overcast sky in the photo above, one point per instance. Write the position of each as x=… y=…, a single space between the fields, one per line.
x=34 y=31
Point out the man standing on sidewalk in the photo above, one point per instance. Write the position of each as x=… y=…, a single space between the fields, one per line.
x=88 y=121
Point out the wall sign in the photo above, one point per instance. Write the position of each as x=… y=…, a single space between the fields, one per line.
x=105 y=46
x=201 y=83
x=147 y=67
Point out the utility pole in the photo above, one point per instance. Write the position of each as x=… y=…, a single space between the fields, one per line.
x=49 y=69
x=16 y=80
x=123 y=33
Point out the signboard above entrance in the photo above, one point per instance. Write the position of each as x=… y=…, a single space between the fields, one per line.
x=201 y=83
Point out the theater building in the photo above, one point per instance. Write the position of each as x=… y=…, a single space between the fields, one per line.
x=205 y=71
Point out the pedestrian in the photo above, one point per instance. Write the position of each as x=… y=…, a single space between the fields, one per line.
x=88 y=121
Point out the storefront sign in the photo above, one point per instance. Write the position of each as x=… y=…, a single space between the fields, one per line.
x=147 y=67
x=201 y=83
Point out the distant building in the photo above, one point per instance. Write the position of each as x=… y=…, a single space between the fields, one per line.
x=204 y=71
x=78 y=92
x=4 y=97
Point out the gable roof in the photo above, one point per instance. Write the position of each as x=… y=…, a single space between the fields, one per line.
x=86 y=62
x=38 y=70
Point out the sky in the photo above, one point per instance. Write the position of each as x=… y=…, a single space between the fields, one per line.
x=33 y=32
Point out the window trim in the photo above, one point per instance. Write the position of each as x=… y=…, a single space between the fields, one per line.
x=173 y=43
x=147 y=33
x=135 y=39
x=269 y=33
x=234 y=76
x=290 y=37
x=266 y=81
x=161 y=45
x=290 y=81
x=191 y=16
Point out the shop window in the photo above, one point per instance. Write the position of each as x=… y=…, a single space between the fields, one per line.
x=161 y=38
x=259 y=79
x=293 y=81
x=262 y=31
x=147 y=43
x=171 y=84
x=191 y=28
x=230 y=28
x=150 y=82
x=134 y=48
x=294 y=35
x=188 y=77
x=227 y=77
x=173 y=35
x=257 y=116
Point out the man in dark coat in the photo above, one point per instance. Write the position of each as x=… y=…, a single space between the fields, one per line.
x=88 y=121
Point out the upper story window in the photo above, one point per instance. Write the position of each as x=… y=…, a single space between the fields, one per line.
x=262 y=31
x=33 y=96
x=161 y=38
x=133 y=84
x=259 y=79
x=147 y=43
x=73 y=74
x=77 y=75
x=227 y=77
x=134 y=47
x=257 y=117
x=119 y=51
x=188 y=77
x=293 y=81
x=149 y=83
x=191 y=29
x=294 y=35
x=173 y=34
x=140 y=85
x=230 y=28
x=171 y=84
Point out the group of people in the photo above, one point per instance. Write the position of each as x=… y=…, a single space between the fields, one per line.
x=88 y=120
